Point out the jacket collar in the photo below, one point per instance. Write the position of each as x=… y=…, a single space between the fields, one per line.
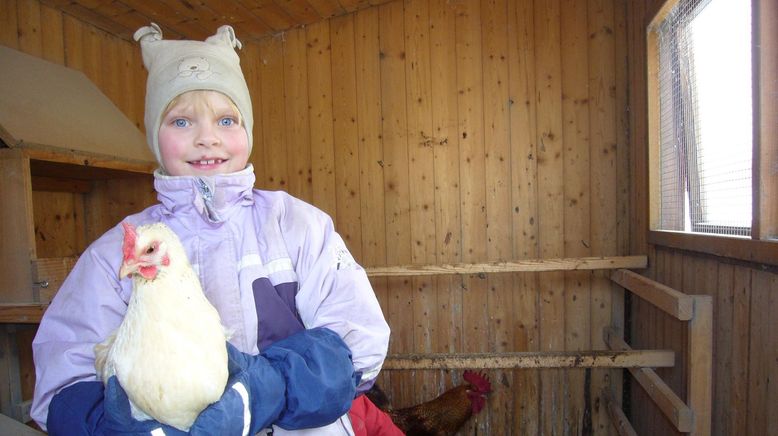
x=214 y=198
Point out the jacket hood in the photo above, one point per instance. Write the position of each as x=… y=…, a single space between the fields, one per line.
x=214 y=198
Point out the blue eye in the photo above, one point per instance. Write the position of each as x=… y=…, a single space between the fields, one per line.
x=226 y=122
x=180 y=122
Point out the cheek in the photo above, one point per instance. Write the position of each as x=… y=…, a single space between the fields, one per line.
x=238 y=149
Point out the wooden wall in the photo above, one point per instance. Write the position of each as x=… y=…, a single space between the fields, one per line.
x=441 y=131
x=745 y=361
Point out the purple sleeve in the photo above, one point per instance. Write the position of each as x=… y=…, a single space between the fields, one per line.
x=87 y=308
x=334 y=289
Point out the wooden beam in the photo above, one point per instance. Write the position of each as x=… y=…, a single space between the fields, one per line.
x=700 y=381
x=542 y=359
x=749 y=250
x=537 y=265
x=668 y=402
x=617 y=416
x=21 y=313
x=671 y=301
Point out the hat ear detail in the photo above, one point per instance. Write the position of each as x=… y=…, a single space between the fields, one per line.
x=148 y=33
x=225 y=34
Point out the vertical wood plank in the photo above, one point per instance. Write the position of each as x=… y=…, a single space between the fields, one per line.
x=741 y=307
x=272 y=112
x=421 y=174
x=52 y=43
x=74 y=45
x=771 y=355
x=371 y=165
x=251 y=60
x=371 y=178
x=298 y=139
x=396 y=186
x=548 y=71
x=29 y=30
x=723 y=333
x=448 y=220
x=345 y=133
x=110 y=69
x=470 y=106
x=524 y=204
x=320 y=101
x=577 y=236
x=604 y=189
x=17 y=232
x=767 y=155
x=9 y=28
x=92 y=55
x=758 y=366
x=494 y=29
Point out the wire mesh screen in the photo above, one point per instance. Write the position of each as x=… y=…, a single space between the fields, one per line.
x=704 y=59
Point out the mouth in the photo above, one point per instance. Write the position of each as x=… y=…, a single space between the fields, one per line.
x=206 y=164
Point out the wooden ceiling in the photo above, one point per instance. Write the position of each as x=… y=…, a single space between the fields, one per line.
x=198 y=19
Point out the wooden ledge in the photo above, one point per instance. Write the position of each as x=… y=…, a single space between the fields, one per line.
x=540 y=359
x=22 y=313
x=532 y=265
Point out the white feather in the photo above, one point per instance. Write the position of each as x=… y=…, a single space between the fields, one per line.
x=169 y=353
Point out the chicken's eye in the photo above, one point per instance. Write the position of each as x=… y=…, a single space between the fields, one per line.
x=150 y=250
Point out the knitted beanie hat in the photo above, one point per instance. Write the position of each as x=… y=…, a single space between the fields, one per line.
x=178 y=66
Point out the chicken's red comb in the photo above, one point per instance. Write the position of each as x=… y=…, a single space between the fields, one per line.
x=479 y=381
x=128 y=249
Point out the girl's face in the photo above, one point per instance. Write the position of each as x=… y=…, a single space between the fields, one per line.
x=201 y=135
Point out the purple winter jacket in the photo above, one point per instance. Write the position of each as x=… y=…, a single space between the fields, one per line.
x=270 y=264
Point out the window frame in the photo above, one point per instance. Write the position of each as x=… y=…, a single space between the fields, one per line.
x=762 y=246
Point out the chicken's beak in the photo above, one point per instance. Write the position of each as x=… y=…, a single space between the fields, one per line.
x=127 y=269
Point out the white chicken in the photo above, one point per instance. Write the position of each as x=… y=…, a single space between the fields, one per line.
x=169 y=353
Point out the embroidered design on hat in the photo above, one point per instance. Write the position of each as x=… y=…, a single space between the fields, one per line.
x=197 y=67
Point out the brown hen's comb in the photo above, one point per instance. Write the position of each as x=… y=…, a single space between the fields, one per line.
x=479 y=380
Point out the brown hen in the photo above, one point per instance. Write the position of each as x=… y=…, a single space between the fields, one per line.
x=444 y=415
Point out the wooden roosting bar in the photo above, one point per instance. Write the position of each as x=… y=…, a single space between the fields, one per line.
x=693 y=417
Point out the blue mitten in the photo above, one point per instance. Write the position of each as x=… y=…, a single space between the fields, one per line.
x=320 y=378
x=304 y=381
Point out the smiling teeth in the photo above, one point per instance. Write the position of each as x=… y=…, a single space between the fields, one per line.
x=208 y=162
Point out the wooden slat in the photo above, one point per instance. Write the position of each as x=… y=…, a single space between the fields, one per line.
x=577 y=212
x=273 y=115
x=396 y=184
x=22 y=313
x=17 y=231
x=320 y=101
x=422 y=178
x=29 y=16
x=524 y=204
x=673 y=302
x=371 y=180
x=53 y=44
x=766 y=117
x=539 y=265
x=617 y=416
x=748 y=250
x=346 y=133
x=296 y=104
x=668 y=402
x=49 y=273
x=9 y=29
x=541 y=359
x=700 y=383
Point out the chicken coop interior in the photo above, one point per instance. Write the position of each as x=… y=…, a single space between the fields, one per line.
x=496 y=166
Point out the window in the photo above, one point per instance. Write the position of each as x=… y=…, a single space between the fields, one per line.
x=713 y=127
x=705 y=117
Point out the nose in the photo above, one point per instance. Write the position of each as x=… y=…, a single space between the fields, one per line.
x=206 y=136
